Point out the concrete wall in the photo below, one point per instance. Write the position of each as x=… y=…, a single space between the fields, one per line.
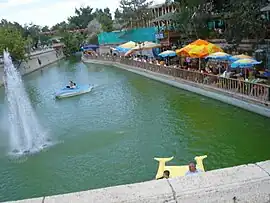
x=46 y=57
x=245 y=183
x=211 y=92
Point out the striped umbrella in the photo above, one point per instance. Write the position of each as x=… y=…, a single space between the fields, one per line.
x=168 y=53
x=146 y=45
x=241 y=56
x=245 y=63
x=126 y=47
x=199 y=49
x=219 y=56
x=143 y=46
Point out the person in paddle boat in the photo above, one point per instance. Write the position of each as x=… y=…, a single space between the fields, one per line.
x=192 y=169
x=72 y=85
x=166 y=175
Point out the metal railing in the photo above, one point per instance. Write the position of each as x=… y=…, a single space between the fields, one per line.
x=252 y=91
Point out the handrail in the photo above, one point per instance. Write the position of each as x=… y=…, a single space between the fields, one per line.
x=252 y=91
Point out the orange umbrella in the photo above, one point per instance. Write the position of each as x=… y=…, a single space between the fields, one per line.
x=199 y=49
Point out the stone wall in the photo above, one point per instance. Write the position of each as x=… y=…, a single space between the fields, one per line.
x=46 y=57
x=245 y=183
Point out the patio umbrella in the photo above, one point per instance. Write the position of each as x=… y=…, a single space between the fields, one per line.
x=219 y=56
x=168 y=53
x=143 y=46
x=126 y=46
x=146 y=45
x=241 y=56
x=245 y=63
x=199 y=49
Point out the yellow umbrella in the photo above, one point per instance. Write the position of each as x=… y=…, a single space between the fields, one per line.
x=143 y=46
x=128 y=45
x=199 y=49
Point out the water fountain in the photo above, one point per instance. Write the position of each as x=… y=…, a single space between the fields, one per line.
x=25 y=133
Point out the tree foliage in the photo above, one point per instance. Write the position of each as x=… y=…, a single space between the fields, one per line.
x=245 y=20
x=33 y=31
x=14 y=25
x=12 y=39
x=242 y=18
x=192 y=18
x=133 y=13
x=62 y=26
x=104 y=17
x=82 y=17
x=45 y=29
x=72 y=41
x=95 y=22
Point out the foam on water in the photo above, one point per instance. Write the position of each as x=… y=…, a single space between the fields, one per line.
x=25 y=133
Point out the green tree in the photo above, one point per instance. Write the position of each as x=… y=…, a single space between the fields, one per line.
x=62 y=26
x=12 y=39
x=105 y=19
x=33 y=31
x=221 y=6
x=72 y=42
x=44 y=39
x=245 y=20
x=117 y=14
x=134 y=13
x=14 y=25
x=191 y=20
x=82 y=17
x=45 y=29
x=242 y=17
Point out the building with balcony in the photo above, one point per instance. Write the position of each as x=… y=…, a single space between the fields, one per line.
x=162 y=12
x=162 y=20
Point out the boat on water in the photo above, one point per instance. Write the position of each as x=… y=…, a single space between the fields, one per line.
x=176 y=171
x=70 y=92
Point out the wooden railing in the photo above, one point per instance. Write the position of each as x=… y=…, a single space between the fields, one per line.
x=252 y=91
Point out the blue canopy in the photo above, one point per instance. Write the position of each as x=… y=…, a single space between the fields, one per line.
x=266 y=74
x=88 y=49
x=92 y=47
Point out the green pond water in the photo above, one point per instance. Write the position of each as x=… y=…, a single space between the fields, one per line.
x=110 y=136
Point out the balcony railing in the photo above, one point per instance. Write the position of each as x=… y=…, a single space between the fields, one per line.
x=258 y=93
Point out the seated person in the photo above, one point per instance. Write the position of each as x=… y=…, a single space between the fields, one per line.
x=166 y=175
x=72 y=85
x=192 y=169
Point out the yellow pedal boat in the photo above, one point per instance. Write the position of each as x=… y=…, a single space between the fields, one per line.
x=176 y=171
